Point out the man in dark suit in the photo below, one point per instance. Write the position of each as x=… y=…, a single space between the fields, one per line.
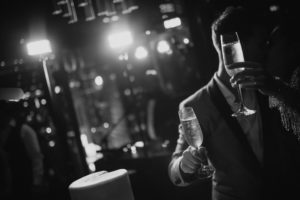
x=254 y=158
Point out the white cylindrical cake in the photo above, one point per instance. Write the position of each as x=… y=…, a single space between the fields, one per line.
x=102 y=185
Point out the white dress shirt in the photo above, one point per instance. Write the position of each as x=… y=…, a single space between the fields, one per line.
x=251 y=124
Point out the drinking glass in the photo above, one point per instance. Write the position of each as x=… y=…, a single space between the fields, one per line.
x=193 y=135
x=232 y=52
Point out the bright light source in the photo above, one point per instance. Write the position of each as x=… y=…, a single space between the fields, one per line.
x=151 y=72
x=139 y=144
x=147 y=32
x=274 y=8
x=43 y=101
x=106 y=125
x=57 y=89
x=48 y=130
x=38 y=47
x=123 y=56
x=141 y=52
x=186 y=40
x=99 y=80
x=120 y=39
x=115 y=18
x=93 y=130
x=163 y=46
x=51 y=143
x=172 y=23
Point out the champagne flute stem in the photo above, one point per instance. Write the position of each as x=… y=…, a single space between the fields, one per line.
x=201 y=155
x=241 y=98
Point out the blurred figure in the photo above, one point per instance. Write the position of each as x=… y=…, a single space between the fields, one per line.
x=280 y=79
x=252 y=155
x=21 y=153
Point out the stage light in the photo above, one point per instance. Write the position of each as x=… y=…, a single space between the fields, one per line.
x=41 y=48
x=163 y=47
x=99 y=81
x=38 y=47
x=121 y=39
x=172 y=23
x=141 y=52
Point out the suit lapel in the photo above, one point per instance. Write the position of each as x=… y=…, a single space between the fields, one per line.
x=222 y=106
x=270 y=142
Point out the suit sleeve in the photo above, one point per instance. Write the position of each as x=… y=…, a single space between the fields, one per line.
x=177 y=176
x=33 y=149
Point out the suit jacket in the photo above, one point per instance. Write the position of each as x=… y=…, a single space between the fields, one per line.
x=239 y=175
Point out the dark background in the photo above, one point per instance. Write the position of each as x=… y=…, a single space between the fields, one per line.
x=80 y=53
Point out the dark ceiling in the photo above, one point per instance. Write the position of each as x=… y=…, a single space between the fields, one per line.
x=22 y=20
x=29 y=19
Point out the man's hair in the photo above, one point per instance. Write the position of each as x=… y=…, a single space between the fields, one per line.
x=236 y=19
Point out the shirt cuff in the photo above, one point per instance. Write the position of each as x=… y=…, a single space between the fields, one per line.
x=176 y=176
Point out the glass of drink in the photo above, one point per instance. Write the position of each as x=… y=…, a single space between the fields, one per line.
x=193 y=135
x=232 y=52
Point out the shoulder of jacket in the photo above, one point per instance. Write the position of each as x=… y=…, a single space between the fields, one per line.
x=200 y=95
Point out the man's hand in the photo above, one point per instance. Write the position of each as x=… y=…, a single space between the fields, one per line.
x=254 y=76
x=192 y=159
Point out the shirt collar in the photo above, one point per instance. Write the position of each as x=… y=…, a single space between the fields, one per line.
x=229 y=96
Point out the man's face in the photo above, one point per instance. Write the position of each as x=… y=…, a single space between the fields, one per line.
x=255 y=47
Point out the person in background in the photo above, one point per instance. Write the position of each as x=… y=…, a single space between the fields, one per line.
x=23 y=156
x=280 y=79
x=252 y=155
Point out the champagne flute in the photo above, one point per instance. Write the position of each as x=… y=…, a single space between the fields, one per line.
x=232 y=52
x=193 y=135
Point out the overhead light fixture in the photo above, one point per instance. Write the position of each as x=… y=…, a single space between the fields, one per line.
x=101 y=7
x=89 y=11
x=141 y=52
x=71 y=8
x=121 y=39
x=98 y=80
x=56 y=8
x=41 y=48
x=38 y=47
x=172 y=23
